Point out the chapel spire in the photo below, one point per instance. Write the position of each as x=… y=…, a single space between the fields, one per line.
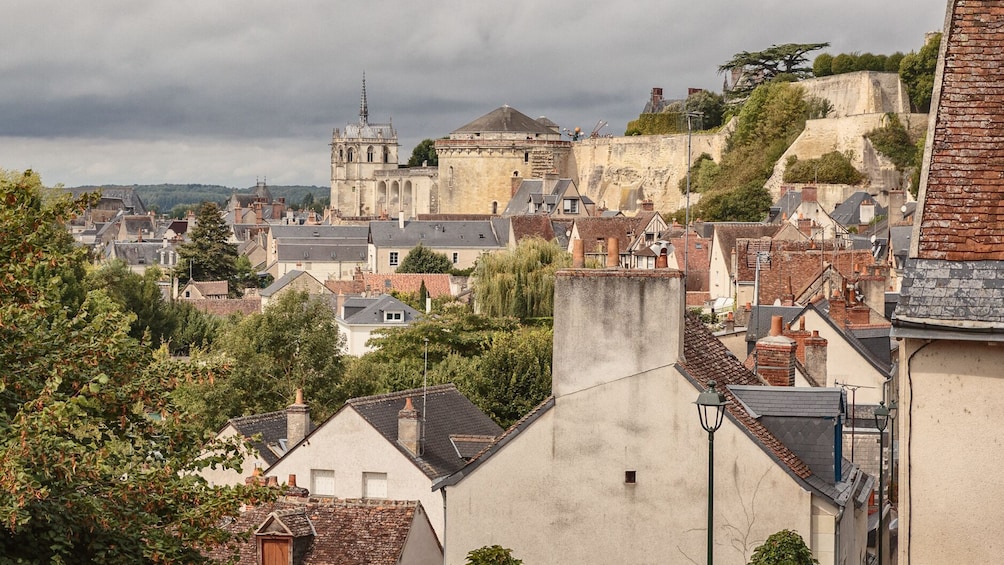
x=364 y=111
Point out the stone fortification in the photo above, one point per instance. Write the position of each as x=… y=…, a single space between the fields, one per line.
x=619 y=172
x=847 y=134
x=862 y=92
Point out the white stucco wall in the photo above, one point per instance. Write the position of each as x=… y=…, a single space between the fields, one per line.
x=557 y=492
x=845 y=365
x=348 y=445
x=422 y=546
x=951 y=404
x=220 y=476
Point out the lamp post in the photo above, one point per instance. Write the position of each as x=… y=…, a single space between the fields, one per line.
x=881 y=421
x=711 y=409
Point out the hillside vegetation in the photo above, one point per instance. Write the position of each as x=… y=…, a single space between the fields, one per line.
x=177 y=199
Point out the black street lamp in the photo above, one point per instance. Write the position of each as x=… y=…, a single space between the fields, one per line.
x=711 y=409
x=882 y=415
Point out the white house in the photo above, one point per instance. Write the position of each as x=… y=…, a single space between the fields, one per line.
x=614 y=467
x=359 y=317
x=391 y=446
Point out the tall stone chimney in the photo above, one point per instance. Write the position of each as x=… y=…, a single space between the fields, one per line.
x=409 y=428
x=635 y=325
x=297 y=420
x=578 y=254
x=775 y=356
x=815 y=357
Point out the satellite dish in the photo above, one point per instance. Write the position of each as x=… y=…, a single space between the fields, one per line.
x=872 y=238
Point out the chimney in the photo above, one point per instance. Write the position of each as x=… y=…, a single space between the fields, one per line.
x=799 y=335
x=295 y=491
x=258 y=218
x=775 y=356
x=409 y=428
x=515 y=181
x=578 y=254
x=590 y=345
x=297 y=420
x=805 y=226
x=809 y=194
x=866 y=211
x=238 y=217
x=897 y=200
x=730 y=322
x=838 y=309
x=662 y=260
x=647 y=206
x=400 y=220
x=613 y=252
x=340 y=305
x=815 y=357
x=656 y=100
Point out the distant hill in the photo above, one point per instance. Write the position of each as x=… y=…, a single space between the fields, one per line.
x=164 y=197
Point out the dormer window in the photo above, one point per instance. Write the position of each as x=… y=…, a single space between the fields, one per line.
x=393 y=316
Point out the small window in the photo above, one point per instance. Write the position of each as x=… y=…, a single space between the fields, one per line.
x=322 y=482
x=630 y=477
x=369 y=154
x=393 y=316
x=374 y=485
x=526 y=156
x=393 y=258
x=456 y=258
x=350 y=154
x=570 y=206
x=481 y=236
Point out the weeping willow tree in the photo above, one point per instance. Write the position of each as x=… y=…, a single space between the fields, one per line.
x=519 y=282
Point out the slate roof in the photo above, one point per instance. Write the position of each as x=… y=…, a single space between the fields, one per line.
x=785 y=206
x=335 y=531
x=533 y=190
x=954 y=280
x=127 y=195
x=447 y=413
x=137 y=252
x=504 y=119
x=434 y=234
x=323 y=232
x=321 y=250
x=848 y=212
x=370 y=310
x=758 y=325
x=271 y=426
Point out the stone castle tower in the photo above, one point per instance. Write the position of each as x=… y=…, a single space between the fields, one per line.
x=481 y=163
x=356 y=157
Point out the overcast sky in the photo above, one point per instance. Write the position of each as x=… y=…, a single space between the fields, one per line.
x=225 y=91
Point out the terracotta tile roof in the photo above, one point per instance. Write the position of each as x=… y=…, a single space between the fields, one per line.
x=726 y=234
x=625 y=229
x=961 y=218
x=437 y=284
x=538 y=225
x=213 y=288
x=707 y=359
x=794 y=266
x=955 y=276
x=334 y=531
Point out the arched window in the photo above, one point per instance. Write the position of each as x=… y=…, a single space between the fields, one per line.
x=386 y=155
x=350 y=154
x=495 y=208
x=341 y=154
x=369 y=154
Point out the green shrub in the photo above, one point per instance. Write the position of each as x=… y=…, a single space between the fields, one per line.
x=832 y=168
x=783 y=548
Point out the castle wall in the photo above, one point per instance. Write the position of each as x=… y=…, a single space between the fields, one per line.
x=619 y=172
x=862 y=92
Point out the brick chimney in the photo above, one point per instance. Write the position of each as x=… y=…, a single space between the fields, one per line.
x=775 y=356
x=800 y=336
x=809 y=194
x=297 y=420
x=613 y=252
x=815 y=357
x=838 y=309
x=258 y=218
x=656 y=99
x=578 y=254
x=647 y=206
x=730 y=322
x=409 y=428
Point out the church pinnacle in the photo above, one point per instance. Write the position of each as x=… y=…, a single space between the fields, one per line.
x=364 y=111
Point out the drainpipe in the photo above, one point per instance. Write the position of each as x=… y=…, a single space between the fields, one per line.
x=443 y=490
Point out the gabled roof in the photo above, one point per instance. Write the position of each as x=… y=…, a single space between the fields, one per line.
x=285 y=280
x=726 y=234
x=955 y=278
x=625 y=229
x=370 y=310
x=435 y=235
x=447 y=413
x=212 y=288
x=531 y=226
x=271 y=426
x=785 y=206
x=504 y=119
x=848 y=212
x=127 y=195
x=536 y=191
x=340 y=532
x=137 y=252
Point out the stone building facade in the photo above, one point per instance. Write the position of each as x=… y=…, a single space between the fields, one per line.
x=366 y=180
x=478 y=162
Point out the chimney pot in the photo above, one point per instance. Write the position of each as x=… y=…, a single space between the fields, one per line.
x=297 y=420
x=776 y=325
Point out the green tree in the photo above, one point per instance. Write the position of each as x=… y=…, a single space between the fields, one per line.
x=893 y=62
x=424 y=153
x=869 y=62
x=519 y=282
x=208 y=256
x=513 y=375
x=783 y=548
x=711 y=106
x=293 y=344
x=138 y=295
x=422 y=259
x=831 y=168
x=492 y=555
x=96 y=462
x=843 y=63
x=760 y=67
x=702 y=175
x=917 y=71
x=892 y=140
x=822 y=66
x=193 y=328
